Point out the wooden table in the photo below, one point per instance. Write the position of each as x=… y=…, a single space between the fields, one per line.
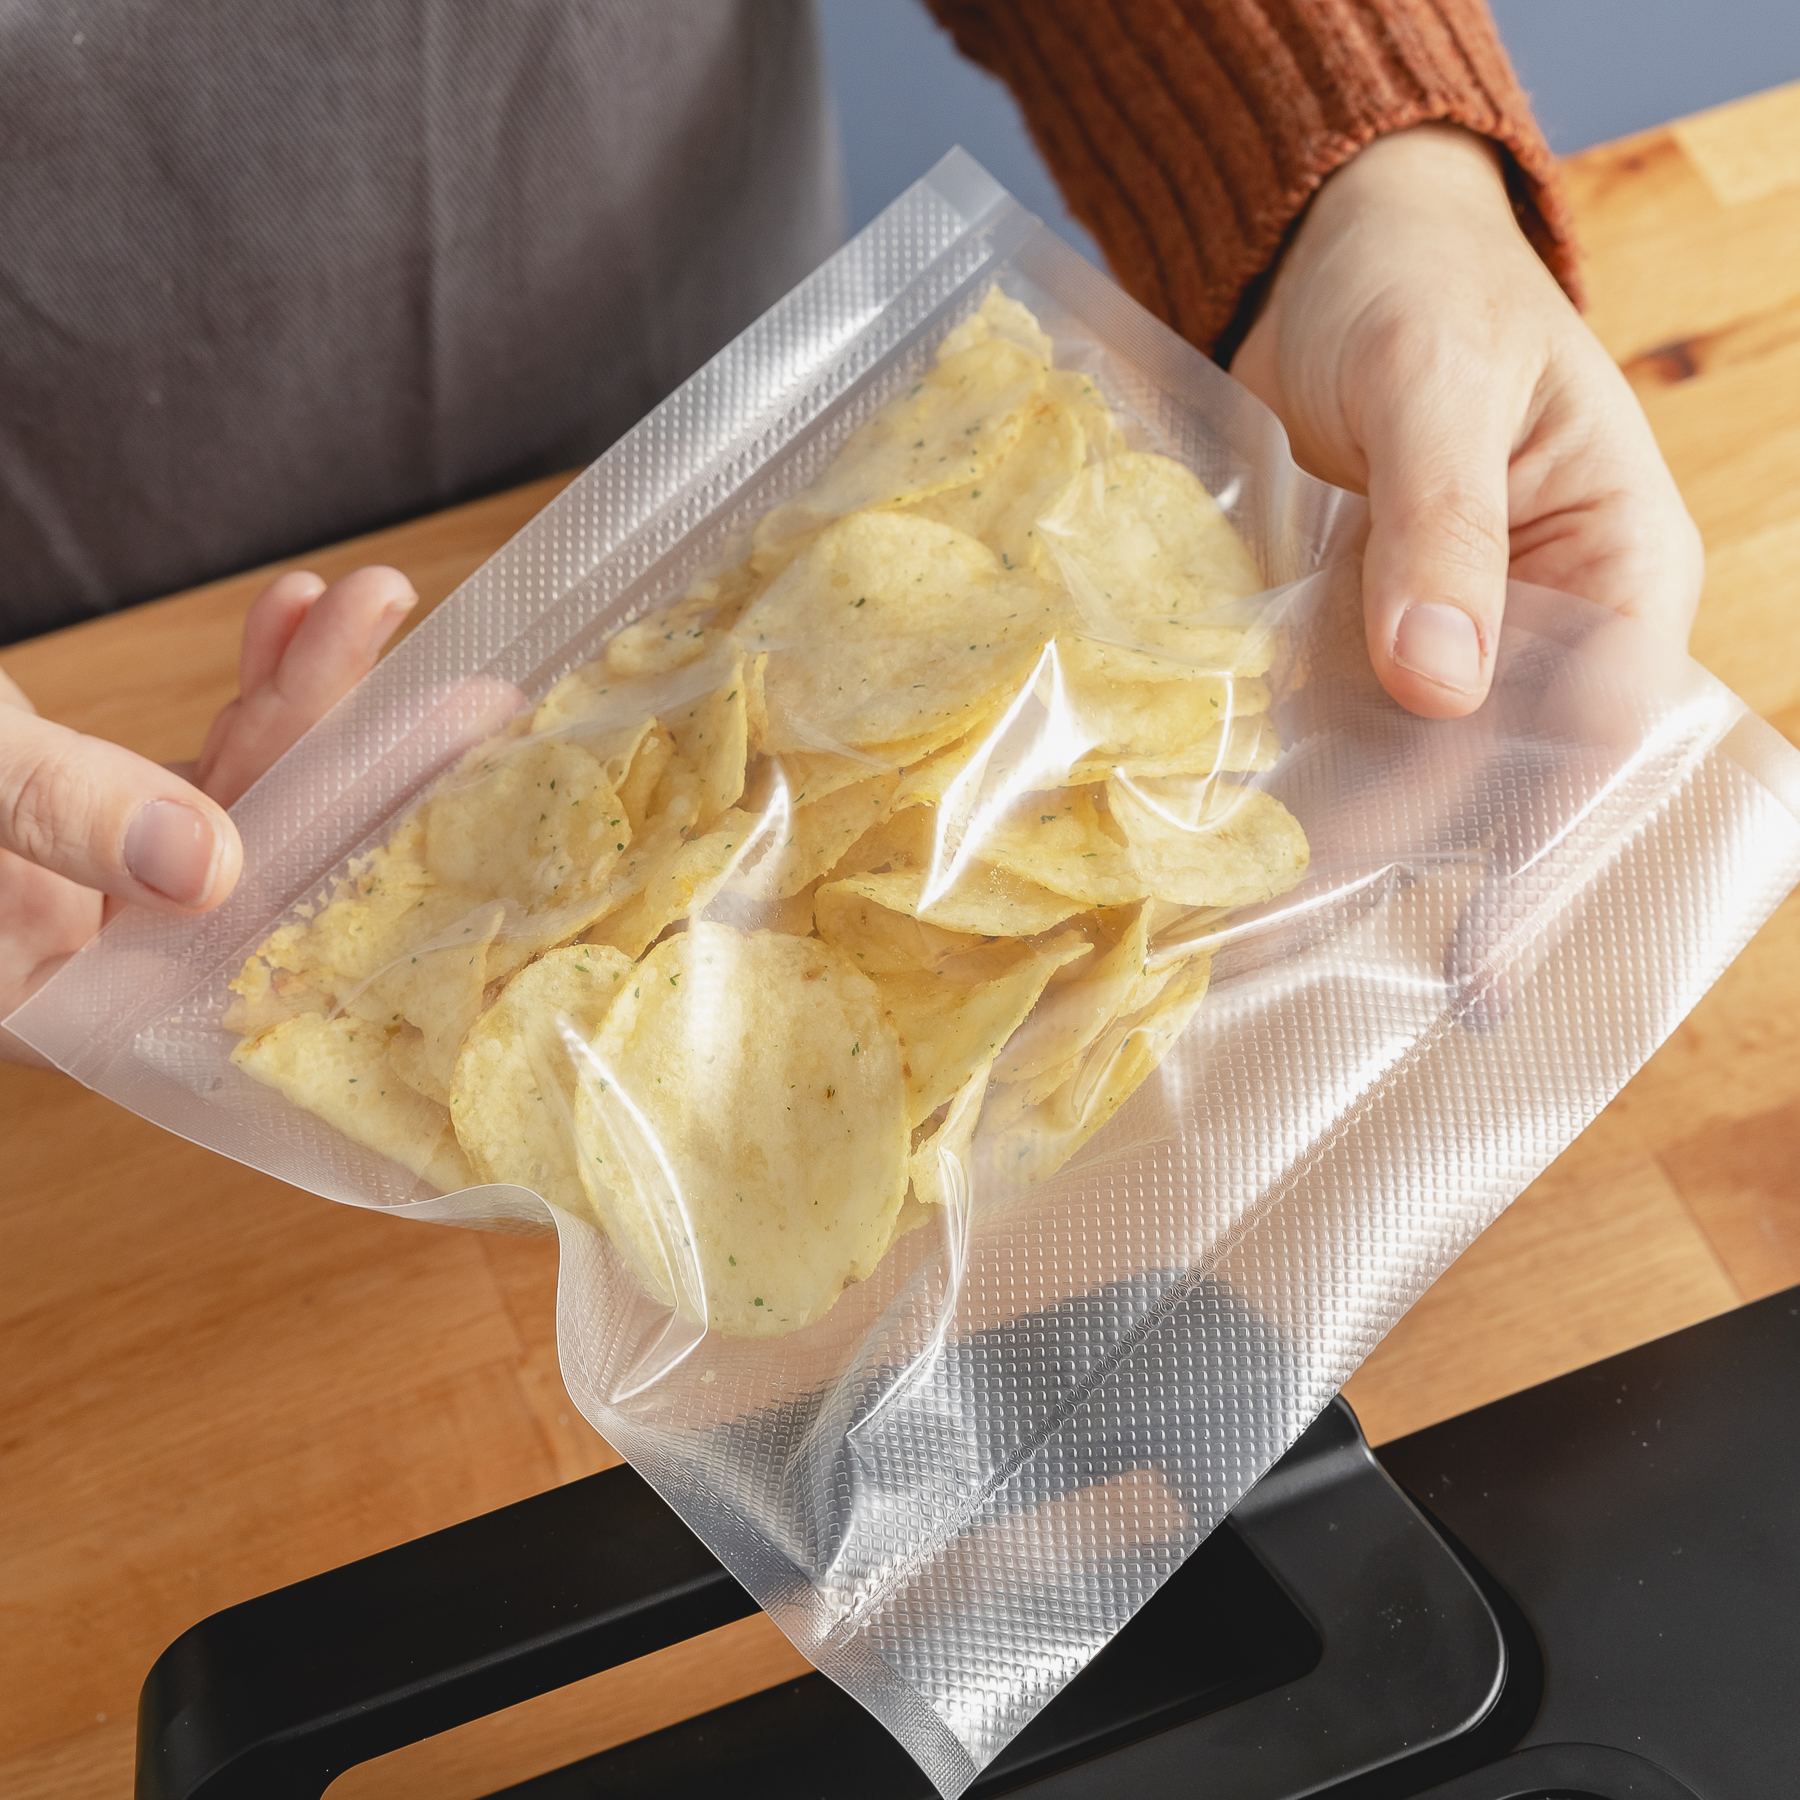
x=211 y=1384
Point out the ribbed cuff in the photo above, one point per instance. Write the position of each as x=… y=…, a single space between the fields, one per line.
x=1189 y=135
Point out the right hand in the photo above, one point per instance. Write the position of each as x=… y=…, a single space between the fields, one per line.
x=1417 y=350
x=86 y=826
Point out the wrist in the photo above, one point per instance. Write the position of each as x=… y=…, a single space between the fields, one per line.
x=1413 y=191
x=1405 y=201
x=1423 y=164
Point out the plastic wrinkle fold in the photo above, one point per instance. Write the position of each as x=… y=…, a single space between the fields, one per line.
x=969 y=1468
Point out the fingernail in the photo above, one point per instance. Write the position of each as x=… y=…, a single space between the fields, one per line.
x=173 y=849
x=1442 y=644
x=387 y=622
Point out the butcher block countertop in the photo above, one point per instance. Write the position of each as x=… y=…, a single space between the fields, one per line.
x=212 y=1385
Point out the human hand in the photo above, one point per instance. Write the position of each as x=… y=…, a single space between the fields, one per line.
x=1417 y=349
x=86 y=826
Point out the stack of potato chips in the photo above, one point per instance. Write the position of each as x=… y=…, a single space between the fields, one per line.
x=836 y=886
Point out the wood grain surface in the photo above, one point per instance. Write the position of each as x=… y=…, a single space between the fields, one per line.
x=212 y=1384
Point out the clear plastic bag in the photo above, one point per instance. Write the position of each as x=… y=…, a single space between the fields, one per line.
x=1116 y=1256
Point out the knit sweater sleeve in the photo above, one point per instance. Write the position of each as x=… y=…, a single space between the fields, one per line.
x=1189 y=135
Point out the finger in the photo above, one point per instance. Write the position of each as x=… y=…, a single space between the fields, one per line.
x=1596 y=511
x=12 y=695
x=1621 y=681
x=108 y=819
x=457 y=716
x=335 y=642
x=340 y=638
x=1434 y=572
x=270 y=624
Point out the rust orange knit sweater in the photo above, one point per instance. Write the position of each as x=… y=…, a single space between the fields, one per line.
x=1189 y=135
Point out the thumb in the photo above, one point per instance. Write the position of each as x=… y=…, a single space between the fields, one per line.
x=110 y=819
x=1434 y=572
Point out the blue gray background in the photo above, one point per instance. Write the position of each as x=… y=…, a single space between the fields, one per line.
x=1595 y=69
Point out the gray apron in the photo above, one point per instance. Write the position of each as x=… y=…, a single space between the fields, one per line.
x=277 y=271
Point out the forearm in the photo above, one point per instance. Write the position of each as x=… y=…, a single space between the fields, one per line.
x=1190 y=135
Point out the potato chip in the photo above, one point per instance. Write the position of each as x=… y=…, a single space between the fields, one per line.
x=1073 y=1013
x=1150 y=718
x=585 y=704
x=553 y=902
x=1209 y=843
x=513 y=1089
x=683 y=884
x=436 y=988
x=948 y=429
x=1130 y=1048
x=1002 y=507
x=946 y=1028
x=727 y=593
x=872 y=759
x=991 y=958
x=607 y=712
x=742 y=1128
x=756 y=704
x=643 y=776
x=620 y=748
x=803 y=838
x=1239 y=746
x=1059 y=841
x=536 y=822
x=1171 y=924
x=1187 y=721
x=879 y=940
x=940 y=1164
x=998 y=315
x=987 y=901
x=388 y=900
x=794 y=915
x=572 y=710
x=906 y=840
x=264 y=992
x=1212 y=651
x=1080 y=393
x=674 y=808
x=927 y=781
x=711 y=735
x=567 y=703
x=676 y=793
x=338 y=1069
x=386 y=904
x=1029 y=1143
x=913 y=1215
x=907 y=753
x=891 y=629
x=664 y=640
x=524 y=935
x=406 y=1057
x=1147 y=554
x=806 y=775
x=746 y=912
x=1141 y=994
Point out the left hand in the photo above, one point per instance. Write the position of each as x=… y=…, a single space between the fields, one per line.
x=305 y=645
x=1418 y=350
